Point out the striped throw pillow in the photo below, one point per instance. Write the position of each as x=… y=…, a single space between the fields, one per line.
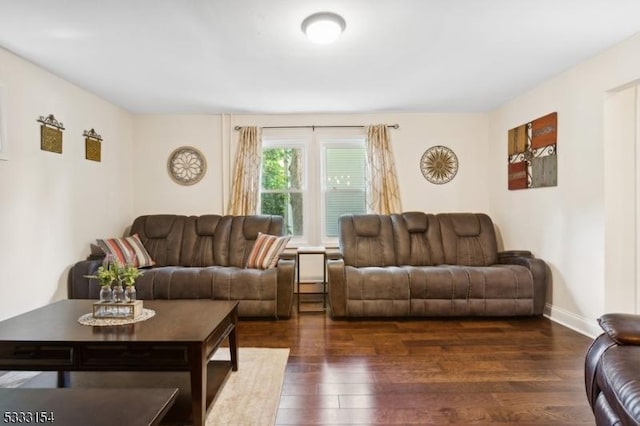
x=129 y=250
x=265 y=251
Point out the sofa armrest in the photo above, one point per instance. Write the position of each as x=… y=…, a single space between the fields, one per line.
x=539 y=271
x=624 y=329
x=78 y=285
x=513 y=253
x=337 y=287
x=619 y=329
x=334 y=254
x=286 y=255
x=591 y=361
x=286 y=275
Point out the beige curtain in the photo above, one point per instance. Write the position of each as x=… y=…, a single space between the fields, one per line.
x=383 y=195
x=245 y=190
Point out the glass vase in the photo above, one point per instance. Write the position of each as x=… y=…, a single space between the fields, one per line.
x=117 y=293
x=130 y=293
x=105 y=293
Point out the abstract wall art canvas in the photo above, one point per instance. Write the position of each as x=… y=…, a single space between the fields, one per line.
x=533 y=153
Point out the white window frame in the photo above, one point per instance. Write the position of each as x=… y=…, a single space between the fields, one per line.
x=301 y=143
x=312 y=143
x=331 y=142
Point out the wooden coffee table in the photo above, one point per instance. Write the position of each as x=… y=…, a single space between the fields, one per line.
x=181 y=337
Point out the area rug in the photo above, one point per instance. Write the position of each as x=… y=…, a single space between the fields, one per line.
x=250 y=396
x=13 y=379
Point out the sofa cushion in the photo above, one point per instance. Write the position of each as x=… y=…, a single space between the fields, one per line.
x=175 y=282
x=199 y=241
x=266 y=250
x=374 y=291
x=367 y=225
x=417 y=239
x=206 y=225
x=255 y=289
x=468 y=239
x=367 y=240
x=232 y=283
x=452 y=290
x=129 y=250
x=162 y=236
x=416 y=221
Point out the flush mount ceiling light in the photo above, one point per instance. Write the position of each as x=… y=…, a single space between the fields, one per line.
x=323 y=27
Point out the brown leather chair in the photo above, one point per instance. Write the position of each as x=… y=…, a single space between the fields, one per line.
x=612 y=371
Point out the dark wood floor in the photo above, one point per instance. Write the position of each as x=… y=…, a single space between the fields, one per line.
x=431 y=371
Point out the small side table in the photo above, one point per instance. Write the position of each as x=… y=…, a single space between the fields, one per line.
x=317 y=251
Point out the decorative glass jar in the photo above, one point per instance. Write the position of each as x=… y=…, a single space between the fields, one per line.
x=130 y=293
x=117 y=295
x=105 y=293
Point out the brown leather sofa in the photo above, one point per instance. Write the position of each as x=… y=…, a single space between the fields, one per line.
x=418 y=264
x=612 y=371
x=203 y=257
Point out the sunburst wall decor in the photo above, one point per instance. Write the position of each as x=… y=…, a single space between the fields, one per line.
x=439 y=164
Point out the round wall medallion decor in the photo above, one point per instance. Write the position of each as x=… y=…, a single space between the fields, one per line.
x=186 y=165
x=439 y=164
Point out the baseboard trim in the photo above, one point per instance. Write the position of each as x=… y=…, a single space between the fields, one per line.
x=570 y=320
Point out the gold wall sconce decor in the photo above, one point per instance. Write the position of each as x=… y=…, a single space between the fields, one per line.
x=50 y=134
x=92 y=145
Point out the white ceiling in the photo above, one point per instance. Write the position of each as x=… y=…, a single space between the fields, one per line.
x=213 y=56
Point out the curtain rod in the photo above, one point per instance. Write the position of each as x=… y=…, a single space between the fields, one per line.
x=314 y=127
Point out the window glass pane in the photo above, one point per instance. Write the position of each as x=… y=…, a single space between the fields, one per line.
x=285 y=204
x=345 y=185
x=282 y=168
x=282 y=183
x=345 y=168
x=339 y=203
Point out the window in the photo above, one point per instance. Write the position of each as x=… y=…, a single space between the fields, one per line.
x=282 y=186
x=312 y=180
x=343 y=178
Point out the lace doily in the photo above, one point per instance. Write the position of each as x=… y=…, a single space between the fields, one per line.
x=88 y=319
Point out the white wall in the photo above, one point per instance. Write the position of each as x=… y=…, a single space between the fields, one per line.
x=565 y=225
x=155 y=138
x=53 y=205
x=620 y=200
